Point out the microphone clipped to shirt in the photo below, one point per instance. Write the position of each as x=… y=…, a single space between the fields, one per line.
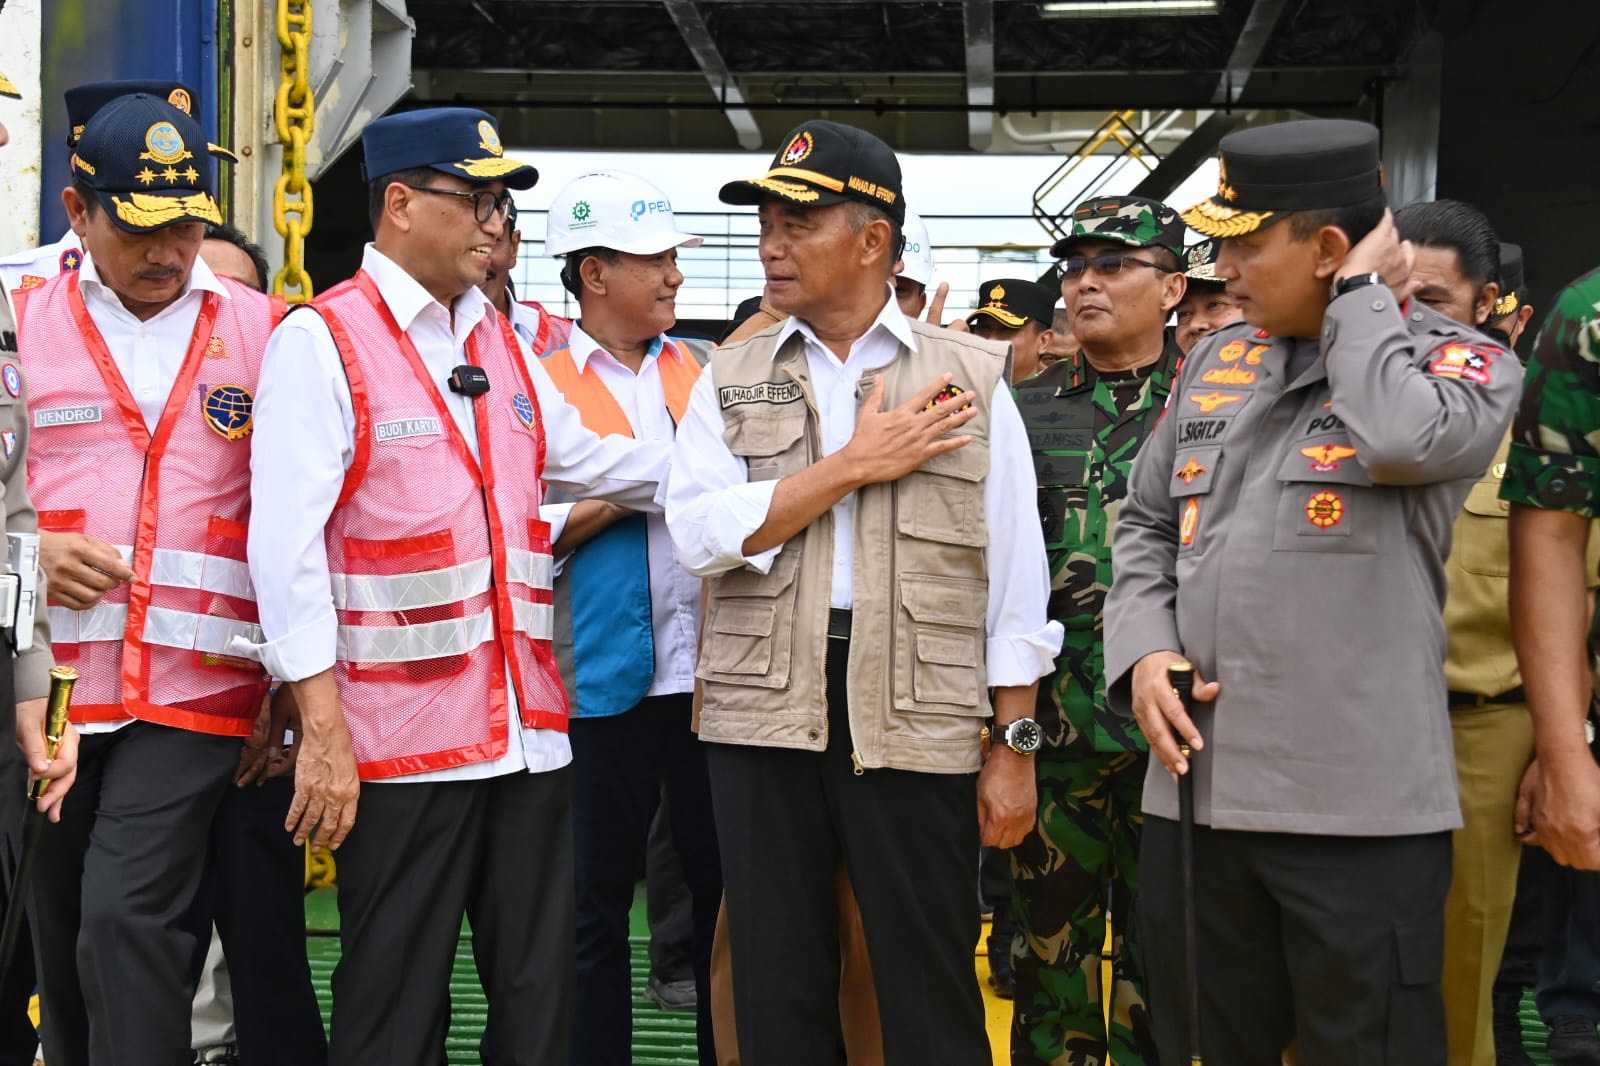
x=469 y=381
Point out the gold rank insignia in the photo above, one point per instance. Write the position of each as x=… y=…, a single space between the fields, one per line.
x=1210 y=401
x=1325 y=509
x=1326 y=458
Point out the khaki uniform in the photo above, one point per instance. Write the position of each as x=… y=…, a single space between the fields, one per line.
x=1493 y=745
x=32 y=666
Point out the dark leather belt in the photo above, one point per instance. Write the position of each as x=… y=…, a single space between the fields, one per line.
x=1472 y=699
x=838 y=623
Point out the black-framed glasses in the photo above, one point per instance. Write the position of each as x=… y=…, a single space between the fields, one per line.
x=1105 y=264
x=485 y=204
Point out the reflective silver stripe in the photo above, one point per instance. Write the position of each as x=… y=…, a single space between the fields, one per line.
x=196 y=632
x=537 y=620
x=425 y=640
x=197 y=570
x=103 y=621
x=529 y=568
x=403 y=592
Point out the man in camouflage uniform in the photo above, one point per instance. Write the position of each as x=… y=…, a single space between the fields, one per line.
x=1552 y=481
x=1086 y=420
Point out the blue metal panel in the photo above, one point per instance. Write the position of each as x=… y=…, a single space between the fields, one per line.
x=96 y=40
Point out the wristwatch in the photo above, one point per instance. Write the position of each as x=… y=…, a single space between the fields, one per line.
x=1022 y=736
x=1356 y=281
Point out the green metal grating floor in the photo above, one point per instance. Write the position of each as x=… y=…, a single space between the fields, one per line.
x=660 y=1038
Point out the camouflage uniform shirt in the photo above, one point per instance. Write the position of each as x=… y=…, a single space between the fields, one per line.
x=1554 y=463
x=1085 y=429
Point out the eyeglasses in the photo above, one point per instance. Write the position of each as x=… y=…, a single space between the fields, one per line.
x=1105 y=264
x=485 y=204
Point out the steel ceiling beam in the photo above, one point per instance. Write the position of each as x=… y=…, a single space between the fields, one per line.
x=977 y=17
x=1258 y=27
x=696 y=35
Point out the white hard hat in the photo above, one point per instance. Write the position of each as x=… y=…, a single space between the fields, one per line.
x=917 y=259
x=610 y=209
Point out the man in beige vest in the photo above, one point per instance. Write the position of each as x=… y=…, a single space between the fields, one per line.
x=856 y=488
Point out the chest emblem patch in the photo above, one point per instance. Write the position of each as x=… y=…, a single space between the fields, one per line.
x=13 y=379
x=524 y=409
x=1228 y=375
x=949 y=392
x=9 y=439
x=1327 y=457
x=1325 y=509
x=1190 y=470
x=1210 y=401
x=1190 y=522
x=228 y=410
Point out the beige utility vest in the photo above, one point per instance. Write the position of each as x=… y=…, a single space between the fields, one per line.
x=917 y=678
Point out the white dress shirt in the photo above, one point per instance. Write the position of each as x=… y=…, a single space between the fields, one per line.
x=525 y=321
x=712 y=507
x=305 y=440
x=42 y=262
x=674 y=592
x=147 y=354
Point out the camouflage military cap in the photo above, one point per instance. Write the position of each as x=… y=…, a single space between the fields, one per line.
x=1131 y=220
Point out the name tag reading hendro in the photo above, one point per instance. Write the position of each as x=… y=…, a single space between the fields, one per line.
x=66 y=416
x=407 y=427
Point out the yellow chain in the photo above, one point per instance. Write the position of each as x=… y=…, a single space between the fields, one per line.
x=295 y=113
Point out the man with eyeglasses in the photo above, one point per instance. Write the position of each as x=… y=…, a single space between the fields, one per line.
x=1086 y=419
x=404 y=436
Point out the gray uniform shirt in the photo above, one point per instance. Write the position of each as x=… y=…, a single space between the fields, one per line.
x=33 y=665
x=1290 y=538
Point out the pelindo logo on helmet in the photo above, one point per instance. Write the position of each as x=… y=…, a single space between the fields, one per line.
x=639 y=208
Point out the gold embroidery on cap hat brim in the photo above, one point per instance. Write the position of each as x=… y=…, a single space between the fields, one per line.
x=831 y=184
x=9 y=88
x=1215 y=220
x=803 y=194
x=1001 y=315
x=145 y=210
x=487 y=168
x=1505 y=305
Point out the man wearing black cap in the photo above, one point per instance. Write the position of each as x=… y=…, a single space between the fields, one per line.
x=1206 y=306
x=405 y=435
x=1019 y=313
x=28 y=269
x=142 y=365
x=1285 y=531
x=1086 y=420
x=853 y=485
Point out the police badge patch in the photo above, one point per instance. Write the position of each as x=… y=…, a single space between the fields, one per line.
x=13 y=379
x=9 y=440
x=524 y=409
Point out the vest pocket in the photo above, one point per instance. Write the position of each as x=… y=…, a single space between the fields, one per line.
x=772 y=445
x=1480 y=542
x=749 y=636
x=939 y=660
x=942 y=500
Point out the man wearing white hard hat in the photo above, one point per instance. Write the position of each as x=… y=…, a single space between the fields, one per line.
x=917 y=267
x=627 y=614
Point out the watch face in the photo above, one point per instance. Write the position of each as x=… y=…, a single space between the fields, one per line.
x=1024 y=736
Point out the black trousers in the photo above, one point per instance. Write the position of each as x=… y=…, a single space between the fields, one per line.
x=785 y=820
x=1335 y=942
x=114 y=897
x=420 y=858
x=620 y=764
x=256 y=889
x=668 y=901
x=18 y=1041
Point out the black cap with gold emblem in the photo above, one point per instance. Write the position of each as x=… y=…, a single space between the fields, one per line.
x=822 y=163
x=1270 y=171
x=84 y=101
x=145 y=161
x=1013 y=301
x=1200 y=262
x=1511 y=280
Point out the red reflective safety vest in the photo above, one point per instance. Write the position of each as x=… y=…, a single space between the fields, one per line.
x=440 y=566
x=175 y=502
